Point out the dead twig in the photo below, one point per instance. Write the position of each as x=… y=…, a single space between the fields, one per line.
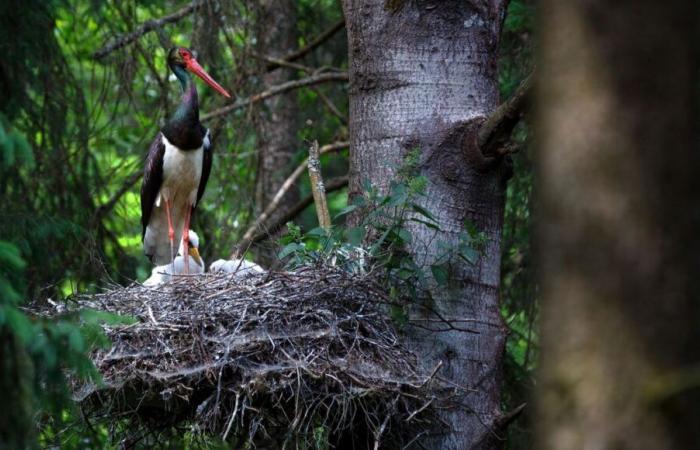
x=276 y=90
x=320 y=39
x=495 y=132
x=147 y=26
x=317 y=187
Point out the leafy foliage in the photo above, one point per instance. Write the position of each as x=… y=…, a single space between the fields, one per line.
x=378 y=243
x=37 y=354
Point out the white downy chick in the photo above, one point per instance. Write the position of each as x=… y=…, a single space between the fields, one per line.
x=240 y=268
x=162 y=274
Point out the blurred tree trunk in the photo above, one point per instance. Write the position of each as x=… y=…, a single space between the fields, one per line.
x=423 y=75
x=618 y=236
x=276 y=127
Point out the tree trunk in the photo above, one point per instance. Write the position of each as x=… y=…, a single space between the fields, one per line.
x=618 y=240
x=277 y=126
x=423 y=75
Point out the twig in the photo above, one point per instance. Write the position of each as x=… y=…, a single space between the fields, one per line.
x=125 y=187
x=380 y=432
x=281 y=62
x=331 y=106
x=495 y=132
x=276 y=90
x=506 y=419
x=320 y=39
x=150 y=314
x=233 y=416
x=432 y=373
x=147 y=26
x=288 y=183
x=419 y=410
x=317 y=187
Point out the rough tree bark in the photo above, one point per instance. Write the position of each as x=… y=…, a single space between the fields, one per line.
x=423 y=75
x=618 y=240
x=277 y=126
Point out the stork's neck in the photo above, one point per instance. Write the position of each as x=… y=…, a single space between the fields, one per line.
x=184 y=129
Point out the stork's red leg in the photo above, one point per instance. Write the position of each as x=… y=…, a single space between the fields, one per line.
x=171 y=235
x=186 y=238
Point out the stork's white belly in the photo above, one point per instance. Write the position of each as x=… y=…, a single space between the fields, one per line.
x=182 y=171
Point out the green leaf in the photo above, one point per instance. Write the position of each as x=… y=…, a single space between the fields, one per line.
x=289 y=249
x=426 y=223
x=317 y=232
x=348 y=209
x=440 y=274
x=405 y=235
x=422 y=211
x=355 y=235
x=293 y=230
x=76 y=341
x=399 y=315
x=359 y=200
x=10 y=258
x=19 y=324
x=405 y=274
x=92 y=316
x=468 y=253
x=471 y=228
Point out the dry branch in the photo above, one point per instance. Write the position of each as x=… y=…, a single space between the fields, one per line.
x=276 y=90
x=147 y=26
x=281 y=62
x=331 y=106
x=317 y=188
x=279 y=352
x=320 y=39
x=494 y=133
x=128 y=183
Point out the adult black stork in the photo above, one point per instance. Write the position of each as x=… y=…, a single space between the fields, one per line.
x=177 y=168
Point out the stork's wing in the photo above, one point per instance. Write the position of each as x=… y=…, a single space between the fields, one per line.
x=207 y=157
x=152 y=180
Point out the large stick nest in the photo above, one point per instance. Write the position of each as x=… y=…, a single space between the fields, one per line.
x=271 y=359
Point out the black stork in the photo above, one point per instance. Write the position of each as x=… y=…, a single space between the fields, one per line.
x=177 y=167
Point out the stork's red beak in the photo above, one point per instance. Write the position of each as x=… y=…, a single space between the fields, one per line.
x=194 y=67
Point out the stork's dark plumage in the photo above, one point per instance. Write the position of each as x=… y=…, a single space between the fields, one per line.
x=177 y=168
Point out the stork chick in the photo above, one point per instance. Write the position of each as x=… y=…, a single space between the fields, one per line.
x=164 y=273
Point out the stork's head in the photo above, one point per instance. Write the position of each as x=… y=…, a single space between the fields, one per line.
x=194 y=248
x=180 y=58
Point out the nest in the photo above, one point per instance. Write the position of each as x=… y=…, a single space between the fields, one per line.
x=272 y=361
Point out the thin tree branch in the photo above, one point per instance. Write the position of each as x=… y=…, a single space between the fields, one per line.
x=502 y=422
x=147 y=26
x=317 y=188
x=331 y=106
x=281 y=62
x=128 y=183
x=276 y=90
x=288 y=183
x=332 y=186
x=320 y=39
x=495 y=132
